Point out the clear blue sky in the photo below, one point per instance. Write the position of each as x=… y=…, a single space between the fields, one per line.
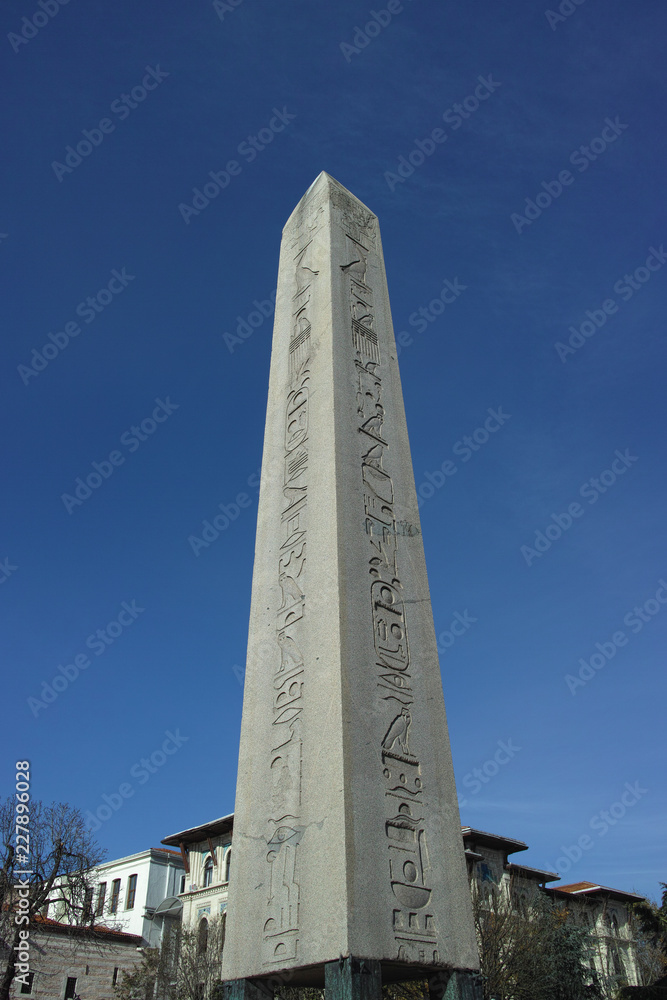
x=535 y=199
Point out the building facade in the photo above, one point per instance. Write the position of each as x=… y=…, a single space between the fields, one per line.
x=68 y=962
x=206 y=853
x=135 y=899
x=137 y=894
x=603 y=912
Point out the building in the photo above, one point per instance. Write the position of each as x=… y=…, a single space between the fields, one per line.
x=136 y=897
x=67 y=961
x=206 y=853
x=604 y=912
x=137 y=894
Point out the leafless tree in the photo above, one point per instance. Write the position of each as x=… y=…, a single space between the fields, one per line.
x=187 y=966
x=61 y=857
x=530 y=948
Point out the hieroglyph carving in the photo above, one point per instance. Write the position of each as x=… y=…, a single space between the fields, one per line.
x=281 y=926
x=408 y=864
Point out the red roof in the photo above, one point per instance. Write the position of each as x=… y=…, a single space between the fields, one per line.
x=55 y=925
x=585 y=888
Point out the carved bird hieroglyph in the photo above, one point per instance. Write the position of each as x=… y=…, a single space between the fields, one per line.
x=398 y=732
x=291 y=593
x=290 y=652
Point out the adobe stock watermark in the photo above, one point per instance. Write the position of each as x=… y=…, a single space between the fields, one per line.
x=464 y=448
x=362 y=37
x=88 y=310
x=600 y=824
x=249 y=149
x=454 y=117
x=222 y=7
x=31 y=26
x=591 y=490
x=580 y=158
x=635 y=619
x=132 y=439
x=213 y=528
x=475 y=780
x=97 y=642
x=565 y=9
x=459 y=625
x=625 y=287
x=122 y=107
x=142 y=771
x=421 y=318
x=245 y=328
x=6 y=569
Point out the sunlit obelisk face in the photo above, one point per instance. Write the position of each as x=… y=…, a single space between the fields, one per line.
x=346 y=833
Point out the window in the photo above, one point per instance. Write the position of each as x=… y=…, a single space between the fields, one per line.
x=182 y=889
x=26 y=986
x=208 y=872
x=70 y=988
x=88 y=904
x=115 y=896
x=115 y=976
x=202 y=936
x=486 y=872
x=101 y=895
x=131 y=892
x=228 y=861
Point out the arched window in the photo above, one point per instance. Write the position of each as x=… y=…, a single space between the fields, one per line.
x=228 y=859
x=208 y=872
x=202 y=936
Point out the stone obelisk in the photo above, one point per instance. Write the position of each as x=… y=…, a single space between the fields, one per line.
x=347 y=841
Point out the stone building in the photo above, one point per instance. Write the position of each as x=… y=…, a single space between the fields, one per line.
x=68 y=962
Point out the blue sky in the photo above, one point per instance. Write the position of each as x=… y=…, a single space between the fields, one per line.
x=540 y=201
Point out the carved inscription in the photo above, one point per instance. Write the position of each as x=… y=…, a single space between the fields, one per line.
x=281 y=927
x=408 y=868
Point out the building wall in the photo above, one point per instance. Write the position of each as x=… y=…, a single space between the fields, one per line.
x=200 y=900
x=158 y=876
x=55 y=956
x=608 y=919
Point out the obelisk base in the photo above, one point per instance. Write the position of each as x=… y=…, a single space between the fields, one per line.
x=248 y=989
x=353 y=979
x=456 y=986
x=361 y=979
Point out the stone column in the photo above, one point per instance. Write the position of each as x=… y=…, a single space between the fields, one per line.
x=347 y=839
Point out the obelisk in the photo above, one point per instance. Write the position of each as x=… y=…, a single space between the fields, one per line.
x=347 y=841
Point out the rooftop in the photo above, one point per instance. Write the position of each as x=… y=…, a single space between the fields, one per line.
x=196 y=833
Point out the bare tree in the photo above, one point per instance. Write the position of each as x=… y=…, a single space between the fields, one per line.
x=530 y=948
x=187 y=966
x=61 y=856
x=650 y=920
